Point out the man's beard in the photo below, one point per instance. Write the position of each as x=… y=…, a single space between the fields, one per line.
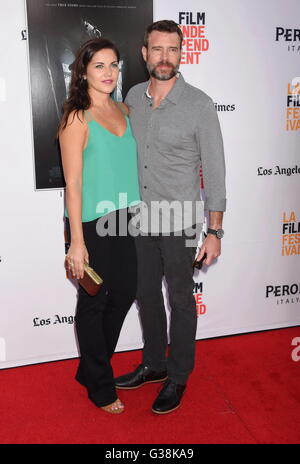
x=165 y=75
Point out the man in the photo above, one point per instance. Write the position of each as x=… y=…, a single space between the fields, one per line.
x=177 y=132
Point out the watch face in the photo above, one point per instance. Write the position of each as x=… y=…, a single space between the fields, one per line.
x=220 y=233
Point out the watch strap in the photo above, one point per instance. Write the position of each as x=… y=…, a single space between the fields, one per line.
x=212 y=231
x=219 y=233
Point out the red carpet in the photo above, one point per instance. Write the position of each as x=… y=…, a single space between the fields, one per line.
x=245 y=389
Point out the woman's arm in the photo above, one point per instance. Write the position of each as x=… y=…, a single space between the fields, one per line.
x=72 y=143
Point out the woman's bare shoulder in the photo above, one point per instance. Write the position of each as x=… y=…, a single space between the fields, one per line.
x=76 y=122
x=124 y=107
x=76 y=117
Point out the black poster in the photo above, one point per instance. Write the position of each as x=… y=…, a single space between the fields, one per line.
x=55 y=32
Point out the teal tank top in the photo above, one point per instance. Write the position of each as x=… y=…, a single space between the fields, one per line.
x=109 y=173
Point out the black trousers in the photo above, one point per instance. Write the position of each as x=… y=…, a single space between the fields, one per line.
x=99 y=318
x=167 y=256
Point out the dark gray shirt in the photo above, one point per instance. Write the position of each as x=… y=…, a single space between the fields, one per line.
x=174 y=141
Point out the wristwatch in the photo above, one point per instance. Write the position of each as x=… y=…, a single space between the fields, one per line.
x=219 y=233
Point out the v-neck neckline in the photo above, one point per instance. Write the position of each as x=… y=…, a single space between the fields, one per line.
x=107 y=130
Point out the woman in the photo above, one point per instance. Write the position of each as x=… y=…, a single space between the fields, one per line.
x=99 y=162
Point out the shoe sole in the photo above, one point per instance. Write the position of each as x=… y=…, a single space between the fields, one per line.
x=166 y=412
x=138 y=386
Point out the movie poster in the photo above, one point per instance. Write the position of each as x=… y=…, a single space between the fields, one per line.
x=55 y=32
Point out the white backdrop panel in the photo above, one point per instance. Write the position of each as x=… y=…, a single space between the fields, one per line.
x=244 y=68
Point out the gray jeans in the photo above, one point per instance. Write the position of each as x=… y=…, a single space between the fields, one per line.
x=167 y=256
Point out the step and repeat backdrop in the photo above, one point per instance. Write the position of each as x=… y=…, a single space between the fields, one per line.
x=245 y=55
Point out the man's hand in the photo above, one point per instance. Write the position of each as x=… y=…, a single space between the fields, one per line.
x=212 y=247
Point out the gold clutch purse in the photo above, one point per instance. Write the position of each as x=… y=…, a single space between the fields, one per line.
x=91 y=281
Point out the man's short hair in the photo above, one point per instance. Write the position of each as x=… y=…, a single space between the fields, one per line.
x=164 y=25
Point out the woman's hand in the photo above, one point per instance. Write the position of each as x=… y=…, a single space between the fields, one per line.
x=75 y=259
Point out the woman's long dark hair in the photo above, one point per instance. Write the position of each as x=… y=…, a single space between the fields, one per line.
x=79 y=98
